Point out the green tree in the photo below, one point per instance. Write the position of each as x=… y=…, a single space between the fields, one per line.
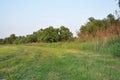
x=1 y=41
x=91 y=28
x=31 y=38
x=65 y=34
x=91 y=19
x=20 y=40
x=39 y=35
x=111 y=19
x=50 y=34
x=93 y=25
x=10 y=39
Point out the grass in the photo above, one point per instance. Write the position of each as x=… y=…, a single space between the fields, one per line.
x=57 y=61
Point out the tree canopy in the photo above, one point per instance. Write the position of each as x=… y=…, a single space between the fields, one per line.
x=96 y=27
x=49 y=34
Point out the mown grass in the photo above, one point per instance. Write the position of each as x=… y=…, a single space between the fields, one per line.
x=57 y=61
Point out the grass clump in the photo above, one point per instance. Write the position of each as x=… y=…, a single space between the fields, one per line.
x=111 y=46
x=114 y=45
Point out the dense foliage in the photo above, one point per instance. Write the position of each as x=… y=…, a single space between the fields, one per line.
x=49 y=34
x=96 y=28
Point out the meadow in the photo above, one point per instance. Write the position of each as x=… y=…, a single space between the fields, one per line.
x=58 y=61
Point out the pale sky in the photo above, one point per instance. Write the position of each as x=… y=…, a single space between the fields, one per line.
x=22 y=17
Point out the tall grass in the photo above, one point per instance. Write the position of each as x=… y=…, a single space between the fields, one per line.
x=112 y=46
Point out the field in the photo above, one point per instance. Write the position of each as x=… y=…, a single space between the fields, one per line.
x=56 y=61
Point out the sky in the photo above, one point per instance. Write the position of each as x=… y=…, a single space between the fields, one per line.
x=23 y=17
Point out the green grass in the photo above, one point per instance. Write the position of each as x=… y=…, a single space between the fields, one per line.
x=57 y=61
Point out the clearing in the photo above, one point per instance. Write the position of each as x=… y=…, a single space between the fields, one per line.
x=56 y=61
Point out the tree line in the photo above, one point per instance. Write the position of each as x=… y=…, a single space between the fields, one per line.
x=49 y=34
x=94 y=28
x=99 y=28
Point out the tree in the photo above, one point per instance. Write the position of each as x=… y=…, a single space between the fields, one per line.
x=39 y=35
x=50 y=34
x=1 y=41
x=65 y=34
x=91 y=28
x=93 y=25
x=31 y=38
x=91 y=19
x=20 y=40
x=111 y=19
x=10 y=39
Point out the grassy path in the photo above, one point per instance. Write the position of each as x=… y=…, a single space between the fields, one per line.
x=55 y=62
